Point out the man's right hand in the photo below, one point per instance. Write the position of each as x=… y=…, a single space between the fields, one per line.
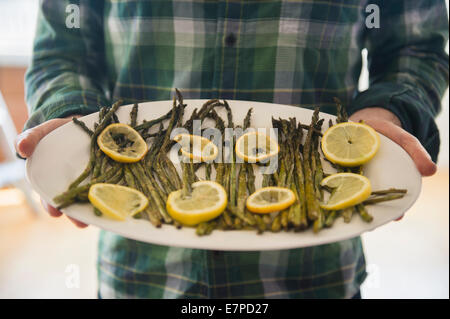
x=26 y=143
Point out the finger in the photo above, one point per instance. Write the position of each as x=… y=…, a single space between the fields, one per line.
x=77 y=223
x=27 y=141
x=50 y=209
x=408 y=142
x=56 y=213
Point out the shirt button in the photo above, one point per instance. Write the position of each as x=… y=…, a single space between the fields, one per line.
x=230 y=40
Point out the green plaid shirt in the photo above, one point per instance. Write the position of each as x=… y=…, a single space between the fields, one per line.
x=301 y=53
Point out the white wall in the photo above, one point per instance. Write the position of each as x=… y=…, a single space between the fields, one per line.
x=443 y=124
x=17 y=27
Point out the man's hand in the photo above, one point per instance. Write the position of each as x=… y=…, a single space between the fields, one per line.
x=389 y=125
x=386 y=123
x=25 y=145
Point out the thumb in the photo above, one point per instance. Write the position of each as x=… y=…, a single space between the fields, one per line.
x=26 y=142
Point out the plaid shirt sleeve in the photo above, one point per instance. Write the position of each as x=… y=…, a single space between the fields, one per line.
x=408 y=66
x=66 y=75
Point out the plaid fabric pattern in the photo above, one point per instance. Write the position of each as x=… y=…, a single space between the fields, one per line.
x=131 y=269
x=302 y=53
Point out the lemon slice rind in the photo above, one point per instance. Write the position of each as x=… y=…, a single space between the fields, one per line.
x=359 y=191
x=242 y=153
x=117 y=201
x=208 y=152
x=207 y=201
x=130 y=154
x=256 y=203
x=349 y=151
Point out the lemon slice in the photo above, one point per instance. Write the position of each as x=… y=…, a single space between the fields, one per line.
x=349 y=190
x=350 y=144
x=122 y=143
x=255 y=147
x=207 y=201
x=116 y=201
x=197 y=147
x=270 y=199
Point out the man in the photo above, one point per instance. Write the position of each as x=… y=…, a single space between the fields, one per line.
x=299 y=53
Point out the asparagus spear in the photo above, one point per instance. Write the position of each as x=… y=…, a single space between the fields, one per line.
x=64 y=199
x=90 y=165
x=97 y=212
x=311 y=199
x=133 y=115
x=347 y=214
x=220 y=124
x=389 y=191
x=240 y=215
x=83 y=126
x=242 y=189
x=381 y=199
x=331 y=217
x=260 y=225
x=276 y=224
x=152 y=211
x=153 y=190
x=149 y=124
x=364 y=213
x=376 y=193
x=163 y=176
x=105 y=163
x=246 y=175
x=242 y=195
x=295 y=211
x=201 y=229
x=223 y=172
x=318 y=176
x=250 y=179
x=221 y=175
x=341 y=112
x=232 y=172
x=98 y=163
x=266 y=180
x=302 y=220
x=306 y=127
x=267 y=219
x=102 y=113
x=285 y=213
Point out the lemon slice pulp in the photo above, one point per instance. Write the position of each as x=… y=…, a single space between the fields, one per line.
x=270 y=199
x=207 y=201
x=116 y=201
x=350 y=144
x=197 y=147
x=255 y=147
x=122 y=143
x=349 y=189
